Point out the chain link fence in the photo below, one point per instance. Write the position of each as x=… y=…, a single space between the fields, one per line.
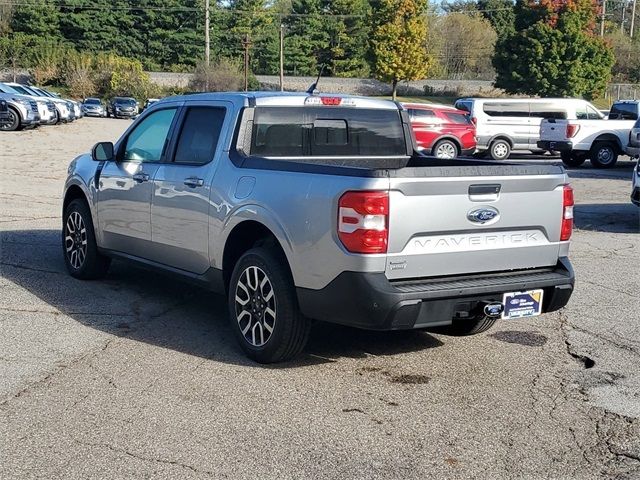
x=622 y=91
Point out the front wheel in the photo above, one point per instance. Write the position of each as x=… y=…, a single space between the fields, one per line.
x=464 y=327
x=603 y=155
x=263 y=308
x=573 y=159
x=13 y=123
x=445 y=149
x=500 y=149
x=79 y=246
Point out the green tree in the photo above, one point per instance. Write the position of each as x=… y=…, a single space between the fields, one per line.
x=39 y=18
x=349 y=38
x=554 y=52
x=307 y=41
x=398 y=40
x=501 y=15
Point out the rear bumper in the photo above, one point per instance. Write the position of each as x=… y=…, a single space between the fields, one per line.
x=370 y=301
x=557 y=146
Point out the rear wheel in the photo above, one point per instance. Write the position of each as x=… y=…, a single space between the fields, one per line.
x=263 y=308
x=79 y=246
x=573 y=159
x=445 y=149
x=500 y=149
x=603 y=155
x=13 y=123
x=463 y=327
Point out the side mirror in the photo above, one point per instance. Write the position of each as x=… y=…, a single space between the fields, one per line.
x=102 y=152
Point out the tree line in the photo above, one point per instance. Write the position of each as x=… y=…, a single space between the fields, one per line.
x=546 y=47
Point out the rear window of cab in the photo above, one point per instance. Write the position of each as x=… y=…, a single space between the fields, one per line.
x=326 y=131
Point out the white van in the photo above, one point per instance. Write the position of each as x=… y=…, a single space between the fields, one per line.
x=506 y=124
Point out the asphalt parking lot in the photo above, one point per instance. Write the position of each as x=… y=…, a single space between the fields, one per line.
x=138 y=375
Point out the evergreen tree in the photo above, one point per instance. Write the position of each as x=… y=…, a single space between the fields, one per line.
x=554 y=51
x=501 y=15
x=307 y=42
x=349 y=38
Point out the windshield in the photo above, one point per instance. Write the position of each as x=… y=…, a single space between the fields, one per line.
x=125 y=101
x=92 y=101
x=7 y=89
x=21 y=90
x=326 y=131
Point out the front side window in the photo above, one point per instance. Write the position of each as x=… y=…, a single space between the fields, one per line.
x=147 y=141
x=419 y=114
x=326 y=131
x=199 y=135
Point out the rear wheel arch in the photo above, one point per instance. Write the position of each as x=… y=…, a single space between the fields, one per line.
x=502 y=137
x=245 y=236
x=609 y=138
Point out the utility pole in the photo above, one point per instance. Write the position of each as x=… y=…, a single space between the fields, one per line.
x=246 y=43
x=207 y=50
x=624 y=11
x=633 y=17
x=281 y=56
x=604 y=14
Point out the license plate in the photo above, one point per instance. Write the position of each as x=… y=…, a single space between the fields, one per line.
x=552 y=145
x=522 y=304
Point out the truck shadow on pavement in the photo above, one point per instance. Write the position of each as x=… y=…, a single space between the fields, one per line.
x=163 y=311
x=607 y=217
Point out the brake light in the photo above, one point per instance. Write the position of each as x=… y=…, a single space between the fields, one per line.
x=330 y=101
x=572 y=130
x=363 y=221
x=567 y=213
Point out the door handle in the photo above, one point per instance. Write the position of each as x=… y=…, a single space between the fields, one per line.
x=193 y=182
x=141 y=177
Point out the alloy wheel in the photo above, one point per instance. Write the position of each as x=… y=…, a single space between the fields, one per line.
x=446 y=150
x=75 y=240
x=10 y=124
x=605 y=155
x=255 y=306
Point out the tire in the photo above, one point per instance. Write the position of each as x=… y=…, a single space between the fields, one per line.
x=603 y=155
x=272 y=304
x=14 y=121
x=573 y=159
x=500 y=149
x=461 y=328
x=445 y=149
x=77 y=231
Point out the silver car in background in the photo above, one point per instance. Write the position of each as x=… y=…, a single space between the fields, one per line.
x=93 y=107
x=22 y=112
x=62 y=107
x=45 y=107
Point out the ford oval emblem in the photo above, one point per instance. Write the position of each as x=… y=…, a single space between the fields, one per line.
x=483 y=215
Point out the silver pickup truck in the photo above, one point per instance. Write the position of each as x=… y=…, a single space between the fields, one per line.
x=303 y=207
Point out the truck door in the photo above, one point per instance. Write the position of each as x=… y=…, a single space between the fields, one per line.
x=182 y=187
x=125 y=187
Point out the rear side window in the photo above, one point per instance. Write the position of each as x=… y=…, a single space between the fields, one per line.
x=199 y=135
x=458 y=118
x=547 y=110
x=326 y=131
x=624 y=111
x=506 y=109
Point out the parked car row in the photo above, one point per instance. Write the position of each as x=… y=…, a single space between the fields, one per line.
x=30 y=106
x=117 y=107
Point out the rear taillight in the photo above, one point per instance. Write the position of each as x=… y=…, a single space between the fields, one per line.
x=567 y=213
x=572 y=129
x=363 y=221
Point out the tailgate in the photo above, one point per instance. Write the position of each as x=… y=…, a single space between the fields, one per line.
x=444 y=224
x=553 y=130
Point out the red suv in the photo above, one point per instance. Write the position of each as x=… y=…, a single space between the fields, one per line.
x=441 y=131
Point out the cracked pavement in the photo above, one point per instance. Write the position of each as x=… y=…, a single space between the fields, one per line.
x=138 y=376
